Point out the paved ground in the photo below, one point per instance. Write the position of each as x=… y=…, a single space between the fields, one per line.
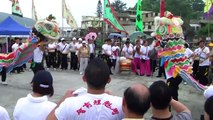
x=19 y=86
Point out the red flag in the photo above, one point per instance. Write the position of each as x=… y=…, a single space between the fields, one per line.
x=162 y=8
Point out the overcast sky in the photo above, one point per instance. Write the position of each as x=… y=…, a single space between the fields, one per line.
x=45 y=7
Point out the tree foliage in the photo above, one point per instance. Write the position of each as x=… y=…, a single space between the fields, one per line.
x=205 y=29
x=119 y=6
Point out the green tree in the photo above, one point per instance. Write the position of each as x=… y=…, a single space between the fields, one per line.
x=205 y=30
x=119 y=6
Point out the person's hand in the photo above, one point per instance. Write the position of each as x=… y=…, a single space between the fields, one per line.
x=69 y=93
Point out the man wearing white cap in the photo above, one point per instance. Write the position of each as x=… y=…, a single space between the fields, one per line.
x=83 y=56
x=64 y=48
x=74 y=59
x=77 y=46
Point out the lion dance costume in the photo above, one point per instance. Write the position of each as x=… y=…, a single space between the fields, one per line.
x=170 y=42
x=43 y=30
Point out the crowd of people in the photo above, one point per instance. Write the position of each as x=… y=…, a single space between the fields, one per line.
x=96 y=103
x=96 y=69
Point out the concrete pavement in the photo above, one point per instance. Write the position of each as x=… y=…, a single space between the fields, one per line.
x=19 y=86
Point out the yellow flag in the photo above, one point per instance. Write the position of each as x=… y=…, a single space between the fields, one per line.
x=68 y=16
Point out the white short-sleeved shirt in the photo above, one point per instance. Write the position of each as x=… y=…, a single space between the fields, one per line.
x=202 y=53
x=90 y=107
x=77 y=47
x=145 y=51
x=58 y=46
x=92 y=48
x=127 y=52
x=115 y=52
x=4 y=114
x=15 y=46
x=188 y=52
x=52 y=46
x=38 y=55
x=137 y=55
x=107 y=49
x=72 y=47
x=33 y=108
x=65 y=48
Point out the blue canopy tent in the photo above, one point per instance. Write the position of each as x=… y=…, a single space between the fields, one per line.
x=11 y=27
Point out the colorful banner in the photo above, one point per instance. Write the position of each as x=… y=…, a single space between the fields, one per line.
x=110 y=17
x=68 y=16
x=208 y=9
x=16 y=10
x=139 y=17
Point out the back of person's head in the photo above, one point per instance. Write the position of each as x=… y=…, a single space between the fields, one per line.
x=42 y=83
x=161 y=95
x=97 y=74
x=137 y=99
x=208 y=107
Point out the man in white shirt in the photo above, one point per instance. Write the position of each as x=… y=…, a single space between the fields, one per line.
x=107 y=52
x=4 y=114
x=93 y=105
x=65 y=49
x=145 y=59
x=37 y=63
x=51 y=47
x=203 y=53
x=137 y=57
x=58 y=53
x=15 y=47
x=91 y=48
x=127 y=51
x=74 y=58
x=115 y=53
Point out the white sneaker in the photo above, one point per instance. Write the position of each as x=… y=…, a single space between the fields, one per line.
x=55 y=69
x=81 y=73
x=48 y=69
x=185 y=83
x=4 y=83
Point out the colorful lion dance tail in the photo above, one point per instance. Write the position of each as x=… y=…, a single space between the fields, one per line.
x=43 y=30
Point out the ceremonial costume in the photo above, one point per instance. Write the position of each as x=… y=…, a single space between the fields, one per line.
x=43 y=29
x=170 y=42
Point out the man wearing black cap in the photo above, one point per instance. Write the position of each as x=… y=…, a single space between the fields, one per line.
x=35 y=106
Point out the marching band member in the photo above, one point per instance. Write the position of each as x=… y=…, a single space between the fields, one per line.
x=203 y=53
x=74 y=58
x=137 y=57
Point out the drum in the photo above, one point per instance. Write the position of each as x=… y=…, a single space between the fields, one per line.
x=125 y=65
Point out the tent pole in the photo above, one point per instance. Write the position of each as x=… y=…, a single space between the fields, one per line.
x=7 y=44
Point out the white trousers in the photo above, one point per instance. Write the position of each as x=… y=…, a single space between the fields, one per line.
x=83 y=64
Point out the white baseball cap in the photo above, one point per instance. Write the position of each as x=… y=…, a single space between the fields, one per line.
x=74 y=38
x=62 y=39
x=79 y=39
x=84 y=42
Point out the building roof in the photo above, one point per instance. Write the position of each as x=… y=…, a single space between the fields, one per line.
x=27 y=22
